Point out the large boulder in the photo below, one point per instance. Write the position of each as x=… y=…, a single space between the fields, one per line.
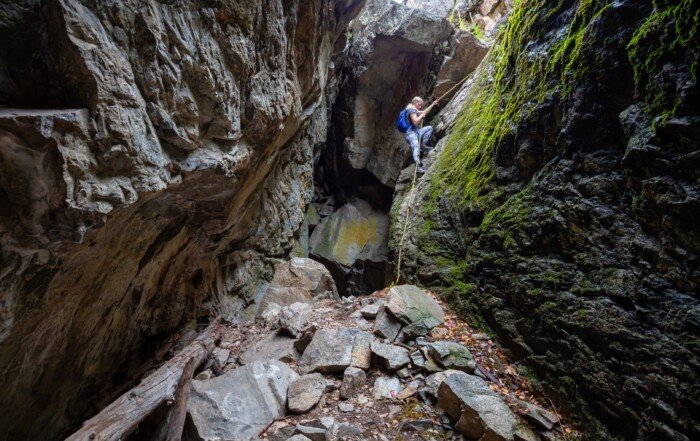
x=352 y=242
x=479 y=413
x=298 y=280
x=333 y=350
x=467 y=53
x=414 y=309
x=240 y=403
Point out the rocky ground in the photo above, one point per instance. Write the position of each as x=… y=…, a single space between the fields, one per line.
x=395 y=365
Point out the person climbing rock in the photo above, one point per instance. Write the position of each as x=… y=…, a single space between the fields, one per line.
x=410 y=121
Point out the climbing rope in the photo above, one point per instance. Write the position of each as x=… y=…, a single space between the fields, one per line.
x=412 y=191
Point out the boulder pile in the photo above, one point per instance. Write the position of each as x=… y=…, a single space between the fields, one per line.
x=319 y=369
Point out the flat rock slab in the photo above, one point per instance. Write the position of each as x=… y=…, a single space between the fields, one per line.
x=293 y=318
x=305 y=392
x=479 y=412
x=370 y=311
x=539 y=417
x=393 y=357
x=451 y=355
x=316 y=430
x=333 y=350
x=274 y=346
x=240 y=403
x=415 y=309
x=386 y=387
x=385 y=325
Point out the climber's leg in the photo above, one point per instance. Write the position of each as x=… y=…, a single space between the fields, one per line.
x=412 y=139
x=425 y=134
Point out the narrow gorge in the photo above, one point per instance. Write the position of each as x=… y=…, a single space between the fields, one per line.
x=211 y=228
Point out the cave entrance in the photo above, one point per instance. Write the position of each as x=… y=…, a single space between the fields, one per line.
x=354 y=179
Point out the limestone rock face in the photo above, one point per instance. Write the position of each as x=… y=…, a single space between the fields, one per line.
x=240 y=403
x=352 y=243
x=170 y=161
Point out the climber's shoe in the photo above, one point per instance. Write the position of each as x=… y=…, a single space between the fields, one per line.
x=421 y=170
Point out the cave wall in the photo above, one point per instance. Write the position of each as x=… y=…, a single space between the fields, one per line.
x=152 y=179
x=560 y=212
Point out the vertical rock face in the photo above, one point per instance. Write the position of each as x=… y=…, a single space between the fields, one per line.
x=391 y=53
x=561 y=210
x=154 y=157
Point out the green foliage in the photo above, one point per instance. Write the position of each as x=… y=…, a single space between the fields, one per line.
x=478 y=33
x=669 y=32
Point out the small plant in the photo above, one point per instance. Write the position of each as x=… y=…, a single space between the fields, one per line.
x=478 y=33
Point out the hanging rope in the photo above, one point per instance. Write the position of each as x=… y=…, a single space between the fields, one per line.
x=405 y=224
x=412 y=191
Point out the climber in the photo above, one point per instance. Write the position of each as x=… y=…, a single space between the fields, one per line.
x=409 y=123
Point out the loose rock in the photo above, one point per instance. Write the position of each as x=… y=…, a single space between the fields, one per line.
x=333 y=350
x=305 y=392
x=298 y=280
x=539 y=417
x=416 y=425
x=370 y=311
x=293 y=318
x=274 y=346
x=451 y=355
x=393 y=357
x=386 y=387
x=415 y=309
x=386 y=326
x=353 y=380
x=477 y=410
x=317 y=429
x=348 y=432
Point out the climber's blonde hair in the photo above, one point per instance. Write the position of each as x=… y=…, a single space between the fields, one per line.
x=416 y=100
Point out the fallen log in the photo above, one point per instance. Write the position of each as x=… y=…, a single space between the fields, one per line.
x=176 y=421
x=122 y=417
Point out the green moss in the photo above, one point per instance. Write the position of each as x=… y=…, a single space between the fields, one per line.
x=511 y=83
x=669 y=32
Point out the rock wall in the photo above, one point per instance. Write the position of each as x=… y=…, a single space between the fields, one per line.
x=560 y=212
x=155 y=159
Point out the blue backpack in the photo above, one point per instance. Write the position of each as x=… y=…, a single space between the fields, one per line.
x=402 y=123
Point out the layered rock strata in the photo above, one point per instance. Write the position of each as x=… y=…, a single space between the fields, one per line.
x=160 y=161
